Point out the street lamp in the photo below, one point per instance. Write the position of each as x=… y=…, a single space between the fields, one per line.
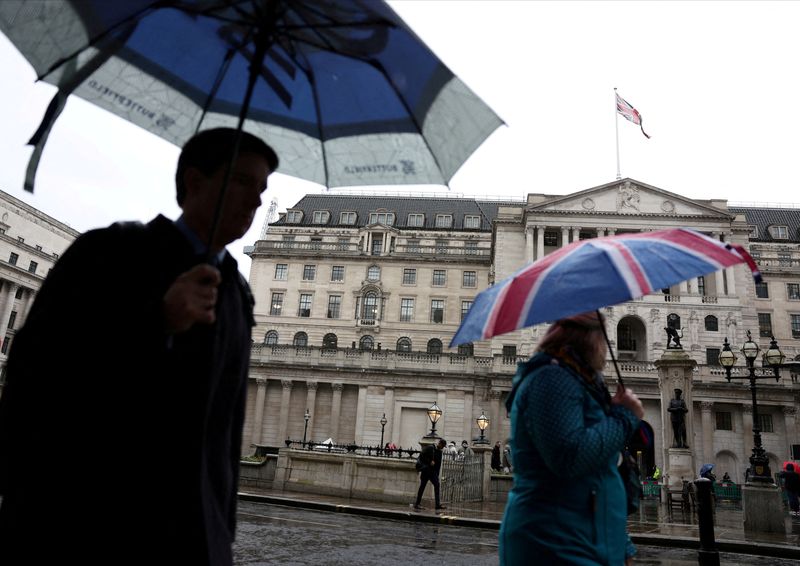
x=773 y=357
x=434 y=414
x=483 y=422
x=383 y=422
x=307 y=416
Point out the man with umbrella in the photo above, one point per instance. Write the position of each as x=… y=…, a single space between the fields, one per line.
x=132 y=455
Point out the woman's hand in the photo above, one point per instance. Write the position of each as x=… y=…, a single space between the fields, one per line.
x=629 y=400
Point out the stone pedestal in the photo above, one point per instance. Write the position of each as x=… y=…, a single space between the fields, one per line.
x=762 y=508
x=485 y=452
x=680 y=466
x=675 y=372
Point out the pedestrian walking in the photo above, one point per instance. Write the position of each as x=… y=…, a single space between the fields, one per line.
x=568 y=504
x=430 y=465
x=507 y=459
x=791 y=483
x=497 y=464
x=144 y=435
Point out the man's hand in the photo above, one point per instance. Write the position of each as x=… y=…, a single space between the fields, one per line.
x=191 y=298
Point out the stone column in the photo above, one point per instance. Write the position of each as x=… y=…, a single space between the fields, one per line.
x=540 y=242
x=336 y=410
x=576 y=233
x=601 y=232
x=564 y=236
x=747 y=432
x=675 y=372
x=8 y=305
x=469 y=415
x=283 y=423
x=494 y=424
x=789 y=419
x=311 y=401
x=692 y=285
x=529 y=244
x=258 y=419
x=360 y=409
x=730 y=277
x=388 y=408
x=485 y=452
x=30 y=295
x=441 y=400
x=683 y=288
x=611 y=231
x=708 y=430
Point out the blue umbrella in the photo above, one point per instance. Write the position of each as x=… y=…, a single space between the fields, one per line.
x=343 y=90
x=705 y=469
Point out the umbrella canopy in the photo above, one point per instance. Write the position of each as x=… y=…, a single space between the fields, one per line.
x=595 y=273
x=706 y=468
x=795 y=465
x=343 y=90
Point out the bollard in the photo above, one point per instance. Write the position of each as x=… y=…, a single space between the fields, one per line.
x=708 y=555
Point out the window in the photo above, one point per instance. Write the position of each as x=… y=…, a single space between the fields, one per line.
x=753 y=231
x=12 y=319
x=441 y=246
x=439 y=277
x=294 y=216
x=472 y=221
x=300 y=340
x=271 y=338
x=385 y=218
x=370 y=306
x=765 y=423
x=412 y=246
x=779 y=232
x=366 y=343
x=795 y=322
x=712 y=356
x=466 y=349
x=12 y=259
x=321 y=217
x=469 y=279
x=277 y=304
x=764 y=324
x=330 y=341
x=465 y=306
x=377 y=244
x=337 y=273
x=470 y=247
x=712 y=324
x=674 y=321
x=334 y=306
x=437 y=311
x=373 y=273
x=701 y=285
x=444 y=220
x=404 y=345
x=304 y=310
x=416 y=220
x=282 y=271
x=18 y=294
x=4 y=347
x=406 y=310
x=309 y=272
x=434 y=346
x=348 y=218
x=762 y=290
x=510 y=352
x=550 y=238
x=793 y=291
x=409 y=276
x=724 y=420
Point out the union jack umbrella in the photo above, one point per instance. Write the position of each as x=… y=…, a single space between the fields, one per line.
x=590 y=274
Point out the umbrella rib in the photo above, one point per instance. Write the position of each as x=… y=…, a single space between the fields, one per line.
x=223 y=70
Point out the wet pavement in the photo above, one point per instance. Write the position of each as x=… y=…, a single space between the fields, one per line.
x=662 y=537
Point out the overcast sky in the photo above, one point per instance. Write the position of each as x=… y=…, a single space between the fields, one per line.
x=716 y=83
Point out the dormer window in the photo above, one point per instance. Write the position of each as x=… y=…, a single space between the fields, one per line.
x=779 y=232
x=472 y=221
x=321 y=216
x=753 y=230
x=348 y=218
x=416 y=220
x=385 y=218
x=444 y=220
x=294 y=216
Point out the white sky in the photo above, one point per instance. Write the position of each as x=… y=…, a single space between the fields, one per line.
x=716 y=83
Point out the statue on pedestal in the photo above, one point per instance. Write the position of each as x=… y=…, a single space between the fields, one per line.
x=673 y=336
x=677 y=411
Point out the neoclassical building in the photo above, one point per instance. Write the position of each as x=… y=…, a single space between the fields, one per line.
x=30 y=243
x=357 y=298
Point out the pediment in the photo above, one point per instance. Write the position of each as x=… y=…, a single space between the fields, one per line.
x=628 y=196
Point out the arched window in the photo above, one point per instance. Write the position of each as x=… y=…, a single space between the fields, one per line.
x=366 y=343
x=466 y=349
x=370 y=311
x=674 y=321
x=300 y=340
x=712 y=323
x=404 y=345
x=271 y=338
x=373 y=273
x=434 y=346
x=330 y=341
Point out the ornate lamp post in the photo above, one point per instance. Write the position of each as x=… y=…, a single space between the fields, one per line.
x=483 y=422
x=383 y=422
x=434 y=414
x=773 y=357
x=307 y=416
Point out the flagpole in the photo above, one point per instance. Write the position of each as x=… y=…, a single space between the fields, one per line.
x=616 y=128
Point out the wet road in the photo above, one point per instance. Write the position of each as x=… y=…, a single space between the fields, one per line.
x=273 y=534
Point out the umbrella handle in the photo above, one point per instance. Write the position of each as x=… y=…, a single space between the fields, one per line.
x=610 y=349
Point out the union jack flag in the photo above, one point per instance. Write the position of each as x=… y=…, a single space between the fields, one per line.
x=630 y=113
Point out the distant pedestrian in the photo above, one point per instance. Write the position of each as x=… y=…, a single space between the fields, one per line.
x=466 y=451
x=791 y=483
x=497 y=464
x=431 y=464
x=726 y=478
x=507 y=459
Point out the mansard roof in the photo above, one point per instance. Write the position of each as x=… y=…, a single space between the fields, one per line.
x=458 y=207
x=763 y=218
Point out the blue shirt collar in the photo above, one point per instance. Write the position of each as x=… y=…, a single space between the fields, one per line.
x=198 y=245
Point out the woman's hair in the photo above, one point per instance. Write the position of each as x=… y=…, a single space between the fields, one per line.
x=583 y=333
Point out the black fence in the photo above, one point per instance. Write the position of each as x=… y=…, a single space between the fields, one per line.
x=398 y=452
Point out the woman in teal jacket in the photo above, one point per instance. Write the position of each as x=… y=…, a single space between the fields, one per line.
x=568 y=504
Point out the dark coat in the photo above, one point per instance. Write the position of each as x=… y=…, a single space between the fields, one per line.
x=117 y=442
x=431 y=454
